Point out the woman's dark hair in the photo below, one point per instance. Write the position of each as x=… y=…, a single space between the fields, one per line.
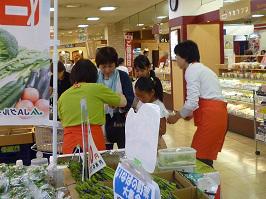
x=60 y=67
x=148 y=84
x=106 y=55
x=189 y=51
x=84 y=71
x=120 y=61
x=142 y=62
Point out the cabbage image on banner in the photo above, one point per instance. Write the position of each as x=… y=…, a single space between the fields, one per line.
x=24 y=62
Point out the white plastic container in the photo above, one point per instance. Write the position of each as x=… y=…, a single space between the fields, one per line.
x=176 y=157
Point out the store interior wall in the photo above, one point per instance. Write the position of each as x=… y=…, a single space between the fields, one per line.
x=115 y=35
x=178 y=86
x=194 y=8
x=209 y=48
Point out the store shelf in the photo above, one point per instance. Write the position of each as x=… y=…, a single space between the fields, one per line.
x=241 y=125
x=237 y=89
x=243 y=79
x=243 y=69
x=239 y=101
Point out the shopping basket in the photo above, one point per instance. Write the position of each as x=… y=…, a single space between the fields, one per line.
x=44 y=139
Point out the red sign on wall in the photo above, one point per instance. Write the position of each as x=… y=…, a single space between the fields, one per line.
x=19 y=12
x=129 y=49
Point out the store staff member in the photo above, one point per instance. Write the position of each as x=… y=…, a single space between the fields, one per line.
x=204 y=101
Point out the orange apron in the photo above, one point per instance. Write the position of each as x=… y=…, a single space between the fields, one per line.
x=211 y=119
x=73 y=137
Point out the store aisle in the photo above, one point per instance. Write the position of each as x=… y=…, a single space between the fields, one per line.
x=243 y=174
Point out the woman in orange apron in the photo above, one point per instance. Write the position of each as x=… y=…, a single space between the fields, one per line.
x=204 y=101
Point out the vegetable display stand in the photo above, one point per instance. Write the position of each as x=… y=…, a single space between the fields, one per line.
x=173 y=185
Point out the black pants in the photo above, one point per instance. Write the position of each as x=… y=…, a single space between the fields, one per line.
x=206 y=161
x=114 y=133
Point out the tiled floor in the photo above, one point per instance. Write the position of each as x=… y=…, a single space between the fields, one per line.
x=243 y=173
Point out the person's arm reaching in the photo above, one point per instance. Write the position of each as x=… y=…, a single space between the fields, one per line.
x=111 y=98
x=192 y=102
x=127 y=89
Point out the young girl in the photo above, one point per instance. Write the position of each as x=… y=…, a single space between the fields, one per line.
x=147 y=91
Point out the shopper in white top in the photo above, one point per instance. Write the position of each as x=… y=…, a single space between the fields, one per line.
x=148 y=91
x=121 y=65
x=204 y=101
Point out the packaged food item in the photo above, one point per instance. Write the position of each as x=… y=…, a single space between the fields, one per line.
x=176 y=157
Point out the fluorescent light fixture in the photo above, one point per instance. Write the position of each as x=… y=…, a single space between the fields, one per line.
x=257 y=16
x=107 y=8
x=83 y=26
x=140 y=24
x=161 y=17
x=51 y=9
x=93 y=18
x=73 y=6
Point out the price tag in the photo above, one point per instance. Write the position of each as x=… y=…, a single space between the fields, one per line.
x=128 y=186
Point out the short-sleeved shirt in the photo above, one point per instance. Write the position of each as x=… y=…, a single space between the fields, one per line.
x=163 y=111
x=96 y=94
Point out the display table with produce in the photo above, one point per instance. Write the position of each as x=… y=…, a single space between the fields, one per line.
x=172 y=183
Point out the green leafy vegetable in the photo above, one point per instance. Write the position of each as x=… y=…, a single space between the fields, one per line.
x=8 y=45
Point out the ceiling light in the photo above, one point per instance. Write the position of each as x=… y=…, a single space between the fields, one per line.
x=140 y=24
x=93 y=18
x=51 y=9
x=83 y=26
x=161 y=17
x=107 y=8
x=73 y=6
x=256 y=16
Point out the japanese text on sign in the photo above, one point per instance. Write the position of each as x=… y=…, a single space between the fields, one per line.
x=127 y=186
x=128 y=50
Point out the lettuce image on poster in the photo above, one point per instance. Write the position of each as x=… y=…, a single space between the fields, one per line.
x=24 y=76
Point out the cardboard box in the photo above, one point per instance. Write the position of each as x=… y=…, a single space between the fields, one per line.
x=189 y=191
x=15 y=135
x=70 y=184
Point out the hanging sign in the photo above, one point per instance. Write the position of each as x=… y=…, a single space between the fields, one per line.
x=235 y=11
x=257 y=5
x=24 y=62
x=129 y=49
x=128 y=186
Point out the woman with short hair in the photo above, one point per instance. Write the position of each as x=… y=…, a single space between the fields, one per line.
x=119 y=82
x=204 y=100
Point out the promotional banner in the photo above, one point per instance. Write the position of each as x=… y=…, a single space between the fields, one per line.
x=24 y=62
x=128 y=186
x=129 y=51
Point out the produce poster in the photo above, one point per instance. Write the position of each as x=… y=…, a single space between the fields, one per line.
x=24 y=62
